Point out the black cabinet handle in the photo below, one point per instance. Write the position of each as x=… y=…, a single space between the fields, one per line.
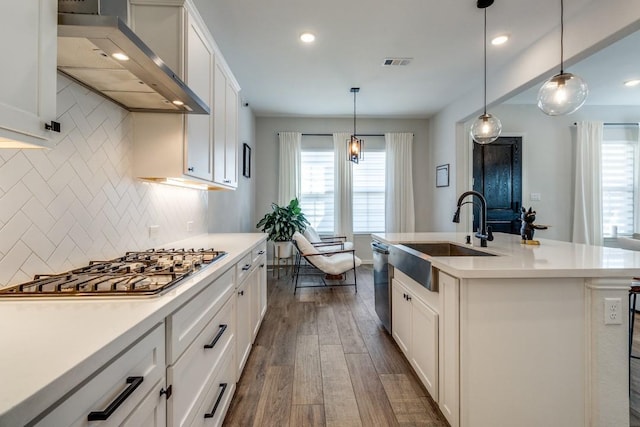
x=261 y=265
x=404 y=296
x=241 y=293
x=217 y=337
x=134 y=383
x=408 y=297
x=260 y=253
x=246 y=267
x=190 y=169
x=211 y=414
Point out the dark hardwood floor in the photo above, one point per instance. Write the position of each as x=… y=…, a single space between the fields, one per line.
x=322 y=358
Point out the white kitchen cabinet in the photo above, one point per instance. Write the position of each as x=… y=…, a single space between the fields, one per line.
x=197 y=368
x=415 y=328
x=225 y=128
x=449 y=368
x=401 y=316
x=28 y=84
x=182 y=148
x=262 y=265
x=244 y=330
x=136 y=377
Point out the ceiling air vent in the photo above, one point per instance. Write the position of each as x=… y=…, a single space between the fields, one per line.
x=396 y=61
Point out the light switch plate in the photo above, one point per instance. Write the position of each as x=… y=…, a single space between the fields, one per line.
x=535 y=197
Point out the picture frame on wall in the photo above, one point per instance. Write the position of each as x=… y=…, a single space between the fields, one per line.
x=442 y=175
x=246 y=160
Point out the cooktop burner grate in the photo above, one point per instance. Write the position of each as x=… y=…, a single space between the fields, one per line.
x=135 y=274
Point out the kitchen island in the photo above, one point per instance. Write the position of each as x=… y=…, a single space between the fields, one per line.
x=53 y=349
x=522 y=337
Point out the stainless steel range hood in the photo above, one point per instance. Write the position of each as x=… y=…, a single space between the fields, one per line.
x=90 y=39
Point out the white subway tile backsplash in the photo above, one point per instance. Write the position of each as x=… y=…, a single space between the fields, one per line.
x=62 y=207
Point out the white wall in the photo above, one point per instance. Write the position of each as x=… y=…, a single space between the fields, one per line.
x=62 y=207
x=266 y=158
x=548 y=158
x=592 y=28
x=233 y=211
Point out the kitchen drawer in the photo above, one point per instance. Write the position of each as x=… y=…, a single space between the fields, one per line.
x=134 y=374
x=217 y=396
x=184 y=325
x=244 y=267
x=258 y=251
x=195 y=369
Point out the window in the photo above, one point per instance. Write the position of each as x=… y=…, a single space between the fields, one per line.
x=619 y=186
x=316 y=198
x=368 y=193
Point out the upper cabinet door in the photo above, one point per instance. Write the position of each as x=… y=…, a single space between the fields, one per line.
x=231 y=150
x=28 y=41
x=199 y=71
x=219 y=125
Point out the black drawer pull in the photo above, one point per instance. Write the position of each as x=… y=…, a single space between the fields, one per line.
x=246 y=267
x=223 y=386
x=241 y=293
x=217 y=337
x=134 y=383
x=260 y=253
x=261 y=265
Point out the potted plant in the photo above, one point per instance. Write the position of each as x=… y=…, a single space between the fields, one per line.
x=281 y=223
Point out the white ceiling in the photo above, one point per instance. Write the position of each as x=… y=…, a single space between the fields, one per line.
x=280 y=75
x=605 y=73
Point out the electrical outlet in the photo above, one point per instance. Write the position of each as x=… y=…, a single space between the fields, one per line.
x=612 y=315
x=153 y=231
x=534 y=197
x=189 y=226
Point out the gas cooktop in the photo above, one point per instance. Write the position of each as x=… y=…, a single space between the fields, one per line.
x=136 y=274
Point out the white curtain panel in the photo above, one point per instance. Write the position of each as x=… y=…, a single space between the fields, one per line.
x=343 y=203
x=587 y=207
x=289 y=166
x=399 y=208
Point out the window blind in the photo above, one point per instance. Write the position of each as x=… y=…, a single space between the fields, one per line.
x=619 y=188
x=368 y=193
x=317 y=188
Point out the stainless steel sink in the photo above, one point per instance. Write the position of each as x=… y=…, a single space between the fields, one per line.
x=445 y=249
x=414 y=259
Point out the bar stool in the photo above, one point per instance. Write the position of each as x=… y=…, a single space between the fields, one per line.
x=633 y=294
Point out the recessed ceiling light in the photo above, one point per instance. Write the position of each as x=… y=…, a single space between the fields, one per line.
x=307 y=37
x=632 y=83
x=120 y=56
x=501 y=39
x=178 y=102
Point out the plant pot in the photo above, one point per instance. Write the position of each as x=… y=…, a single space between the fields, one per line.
x=283 y=249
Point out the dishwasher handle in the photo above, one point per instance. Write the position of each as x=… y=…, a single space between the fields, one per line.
x=380 y=247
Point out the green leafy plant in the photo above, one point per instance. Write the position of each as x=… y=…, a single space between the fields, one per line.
x=283 y=221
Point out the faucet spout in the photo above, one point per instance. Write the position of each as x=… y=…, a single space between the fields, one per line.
x=484 y=233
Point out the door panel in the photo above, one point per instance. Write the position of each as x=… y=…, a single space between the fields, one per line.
x=497 y=173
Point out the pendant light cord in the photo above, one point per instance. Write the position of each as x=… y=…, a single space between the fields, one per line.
x=561 y=36
x=485 y=60
x=354 y=113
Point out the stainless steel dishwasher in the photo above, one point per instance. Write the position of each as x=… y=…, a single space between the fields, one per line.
x=381 y=282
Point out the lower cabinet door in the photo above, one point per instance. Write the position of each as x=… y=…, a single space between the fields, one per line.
x=243 y=325
x=400 y=316
x=151 y=412
x=262 y=265
x=218 y=395
x=424 y=345
x=197 y=366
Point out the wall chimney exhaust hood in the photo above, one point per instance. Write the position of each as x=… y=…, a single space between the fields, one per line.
x=97 y=49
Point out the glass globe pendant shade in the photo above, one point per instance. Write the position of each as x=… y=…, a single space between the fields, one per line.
x=562 y=94
x=486 y=129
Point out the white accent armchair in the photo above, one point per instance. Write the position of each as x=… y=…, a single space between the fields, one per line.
x=326 y=243
x=331 y=265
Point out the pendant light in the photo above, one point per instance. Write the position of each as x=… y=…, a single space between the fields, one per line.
x=486 y=128
x=563 y=93
x=355 y=146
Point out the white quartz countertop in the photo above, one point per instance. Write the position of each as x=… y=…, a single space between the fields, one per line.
x=47 y=346
x=514 y=260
